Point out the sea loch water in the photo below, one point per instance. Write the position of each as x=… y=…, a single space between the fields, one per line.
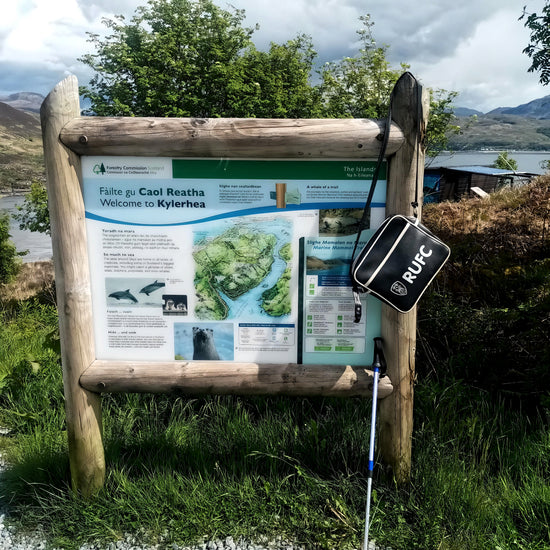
x=39 y=245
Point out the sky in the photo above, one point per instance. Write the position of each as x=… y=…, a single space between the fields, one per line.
x=473 y=47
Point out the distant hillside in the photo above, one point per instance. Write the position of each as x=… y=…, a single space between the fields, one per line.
x=21 y=156
x=19 y=122
x=538 y=108
x=525 y=127
x=464 y=111
x=502 y=131
x=24 y=101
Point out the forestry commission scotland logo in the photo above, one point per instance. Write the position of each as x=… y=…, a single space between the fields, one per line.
x=99 y=169
x=399 y=288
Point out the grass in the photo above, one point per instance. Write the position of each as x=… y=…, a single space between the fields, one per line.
x=180 y=468
x=183 y=468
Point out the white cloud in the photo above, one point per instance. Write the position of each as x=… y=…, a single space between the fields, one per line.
x=489 y=69
x=42 y=31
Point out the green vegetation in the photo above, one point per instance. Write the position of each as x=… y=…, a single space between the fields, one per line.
x=190 y=58
x=10 y=262
x=538 y=48
x=505 y=162
x=34 y=215
x=180 y=469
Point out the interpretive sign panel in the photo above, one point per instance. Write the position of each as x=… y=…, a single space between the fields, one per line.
x=233 y=260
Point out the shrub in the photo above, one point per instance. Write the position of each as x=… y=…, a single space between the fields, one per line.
x=34 y=214
x=10 y=262
x=485 y=320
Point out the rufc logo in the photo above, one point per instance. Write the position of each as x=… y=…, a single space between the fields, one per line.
x=399 y=288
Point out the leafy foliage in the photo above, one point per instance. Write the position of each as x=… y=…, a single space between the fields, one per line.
x=539 y=48
x=191 y=58
x=276 y=83
x=360 y=86
x=186 y=58
x=34 y=215
x=505 y=162
x=10 y=262
x=486 y=317
x=442 y=123
x=185 y=469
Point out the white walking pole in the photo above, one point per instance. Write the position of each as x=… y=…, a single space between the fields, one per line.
x=378 y=364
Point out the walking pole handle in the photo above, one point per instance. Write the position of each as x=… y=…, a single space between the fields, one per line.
x=379 y=361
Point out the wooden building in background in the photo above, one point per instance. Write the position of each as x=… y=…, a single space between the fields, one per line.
x=453 y=183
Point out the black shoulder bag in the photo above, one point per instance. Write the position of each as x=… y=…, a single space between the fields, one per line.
x=402 y=257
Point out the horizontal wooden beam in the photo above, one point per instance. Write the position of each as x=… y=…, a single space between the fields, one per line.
x=228 y=137
x=221 y=377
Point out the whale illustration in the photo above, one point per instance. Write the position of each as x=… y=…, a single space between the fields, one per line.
x=151 y=288
x=123 y=295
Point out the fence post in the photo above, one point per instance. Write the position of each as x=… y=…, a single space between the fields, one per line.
x=83 y=408
x=405 y=172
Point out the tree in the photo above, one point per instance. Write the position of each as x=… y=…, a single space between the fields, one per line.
x=360 y=87
x=34 y=215
x=191 y=58
x=505 y=162
x=441 y=121
x=539 y=48
x=276 y=83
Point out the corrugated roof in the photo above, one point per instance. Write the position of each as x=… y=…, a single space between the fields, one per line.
x=485 y=170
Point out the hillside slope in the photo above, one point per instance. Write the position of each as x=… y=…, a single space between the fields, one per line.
x=21 y=156
x=502 y=131
x=24 y=101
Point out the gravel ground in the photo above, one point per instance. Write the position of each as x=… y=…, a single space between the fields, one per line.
x=10 y=539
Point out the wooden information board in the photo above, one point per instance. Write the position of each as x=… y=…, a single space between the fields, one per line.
x=231 y=232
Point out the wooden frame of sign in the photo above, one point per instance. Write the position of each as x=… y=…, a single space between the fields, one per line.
x=67 y=136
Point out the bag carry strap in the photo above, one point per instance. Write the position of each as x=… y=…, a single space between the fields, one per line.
x=366 y=210
x=362 y=223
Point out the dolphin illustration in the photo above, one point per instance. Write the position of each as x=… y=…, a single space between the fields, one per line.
x=123 y=295
x=151 y=288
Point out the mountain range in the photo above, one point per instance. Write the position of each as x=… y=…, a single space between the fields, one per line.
x=525 y=127
x=24 y=101
x=538 y=108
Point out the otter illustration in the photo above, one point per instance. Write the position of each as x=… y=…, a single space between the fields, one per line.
x=203 y=345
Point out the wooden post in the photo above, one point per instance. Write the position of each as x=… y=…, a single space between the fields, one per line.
x=406 y=171
x=83 y=408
